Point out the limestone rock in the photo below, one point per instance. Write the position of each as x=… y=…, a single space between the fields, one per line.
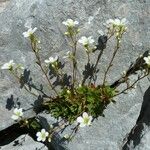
x=106 y=133
x=24 y=142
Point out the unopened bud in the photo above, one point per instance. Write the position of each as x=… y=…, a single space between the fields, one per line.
x=49 y=139
x=53 y=65
x=68 y=92
x=66 y=33
x=124 y=73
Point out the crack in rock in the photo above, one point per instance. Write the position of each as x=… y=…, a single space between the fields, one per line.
x=135 y=136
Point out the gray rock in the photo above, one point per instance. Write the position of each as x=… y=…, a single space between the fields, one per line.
x=138 y=137
x=106 y=133
x=141 y=141
x=144 y=143
x=24 y=142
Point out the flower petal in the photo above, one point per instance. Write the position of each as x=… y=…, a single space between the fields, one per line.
x=85 y=115
x=25 y=34
x=20 y=109
x=39 y=139
x=124 y=21
x=38 y=134
x=82 y=125
x=14 y=117
x=15 y=110
x=4 y=66
x=46 y=134
x=76 y=22
x=43 y=131
x=65 y=23
x=34 y=29
x=47 y=61
x=56 y=58
x=80 y=119
x=117 y=22
x=43 y=139
x=145 y=58
x=90 y=118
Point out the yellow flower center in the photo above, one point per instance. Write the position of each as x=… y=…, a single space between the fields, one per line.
x=18 y=114
x=86 y=120
x=43 y=135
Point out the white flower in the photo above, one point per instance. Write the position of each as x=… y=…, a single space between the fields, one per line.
x=86 y=41
x=21 y=67
x=147 y=60
x=17 y=114
x=68 y=55
x=66 y=136
x=29 y=32
x=116 y=22
x=8 y=65
x=121 y=22
x=41 y=136
x=70 y=23
x=51 y=60
x=85 y=120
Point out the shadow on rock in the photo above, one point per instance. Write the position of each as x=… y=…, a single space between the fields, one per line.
x=12 y=102
x=144 y=118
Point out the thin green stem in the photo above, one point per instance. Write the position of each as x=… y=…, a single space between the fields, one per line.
x=34 y=47
x=110 y=63
x=74 y=61
x=44 y=72
x=132 y=85
x=88 y=55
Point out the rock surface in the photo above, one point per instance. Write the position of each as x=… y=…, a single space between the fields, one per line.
x=24 y=142
x=106 y=133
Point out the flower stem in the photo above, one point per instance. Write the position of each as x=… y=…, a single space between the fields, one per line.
x=42 y=69
x=110 y=63
x=131 y=86
x=74 y=61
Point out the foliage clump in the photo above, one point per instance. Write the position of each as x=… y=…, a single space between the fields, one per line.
x=89 y=99
x=76 y=101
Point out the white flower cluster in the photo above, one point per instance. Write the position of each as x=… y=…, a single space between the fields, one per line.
x=41 y=136
x=88 y=43
x=86 y=40
x=116 y=22
x=70 y=23
x=116 y=27
x=10 y=65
